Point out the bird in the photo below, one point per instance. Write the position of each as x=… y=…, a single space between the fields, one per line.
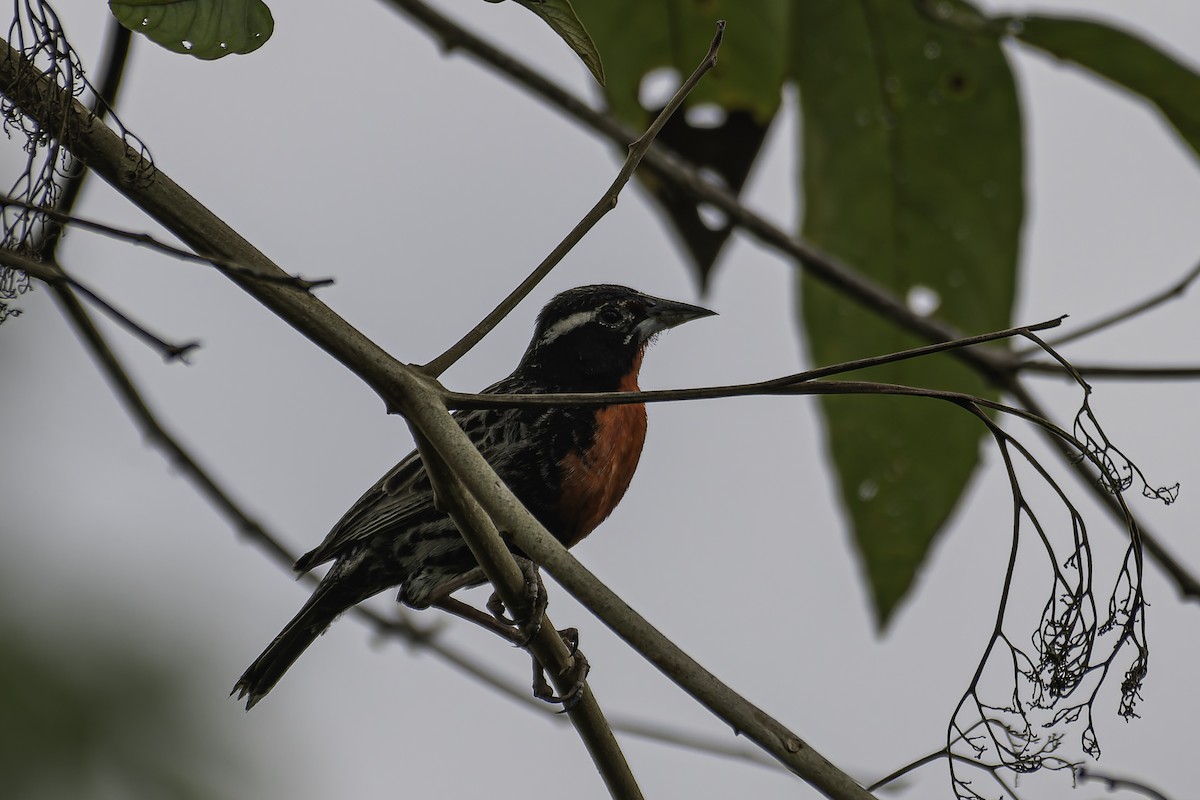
x=569 y=465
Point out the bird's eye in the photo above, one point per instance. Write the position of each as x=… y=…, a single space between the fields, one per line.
x=610 y=316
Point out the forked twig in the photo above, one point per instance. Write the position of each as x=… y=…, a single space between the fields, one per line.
x=146 y=240
x=54 y=275
x=606 y=203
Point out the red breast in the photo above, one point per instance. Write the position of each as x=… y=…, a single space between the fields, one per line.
x=595 y=480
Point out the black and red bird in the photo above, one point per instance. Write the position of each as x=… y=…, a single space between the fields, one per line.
x=570 y=466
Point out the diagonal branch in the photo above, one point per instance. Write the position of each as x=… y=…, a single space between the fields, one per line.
x=531 y=538
x=63 y=219
x=1172 y=292
x=240 y=520
x=55 y=276
x=547 y=646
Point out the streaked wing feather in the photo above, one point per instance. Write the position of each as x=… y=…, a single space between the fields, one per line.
x=402 y=493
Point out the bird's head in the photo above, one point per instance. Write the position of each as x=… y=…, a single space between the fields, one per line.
x=592 y=338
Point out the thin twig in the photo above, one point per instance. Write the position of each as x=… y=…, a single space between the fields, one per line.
x=146 y=240
x=1084 y=775
x=938 y=755
x=781 y=385
x=990 y=769
x=606 y=203
x=54 y=275
x=1170 y=293
x=1107 y=371
x=664 y=734
x=1187 y=584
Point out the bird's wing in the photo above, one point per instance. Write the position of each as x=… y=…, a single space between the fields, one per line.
x=401 y=495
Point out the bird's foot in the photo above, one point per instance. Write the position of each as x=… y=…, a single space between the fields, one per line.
x=578 y=673
x=536 y=598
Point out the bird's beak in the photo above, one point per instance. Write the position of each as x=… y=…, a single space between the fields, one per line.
x=663 y=314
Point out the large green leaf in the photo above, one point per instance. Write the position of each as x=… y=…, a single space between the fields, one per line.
x=1123 y=59
x=206 y=29
x=912 y=167
x=639 y=37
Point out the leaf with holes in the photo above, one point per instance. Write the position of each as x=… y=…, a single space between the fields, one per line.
x=206 y=29
x=912 y=174
x=726 y=116
x=1121 y=58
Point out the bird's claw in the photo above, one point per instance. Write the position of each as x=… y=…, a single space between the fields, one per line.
x=542 y=689
x=536 y=596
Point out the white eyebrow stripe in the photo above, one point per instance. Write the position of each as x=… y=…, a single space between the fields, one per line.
x=567 y=324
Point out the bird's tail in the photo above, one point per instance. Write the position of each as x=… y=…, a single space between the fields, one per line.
x=328 y=601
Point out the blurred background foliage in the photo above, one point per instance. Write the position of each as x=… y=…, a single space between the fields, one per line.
x=90 y=710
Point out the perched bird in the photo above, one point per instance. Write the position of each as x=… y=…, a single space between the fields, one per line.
x=570 y=466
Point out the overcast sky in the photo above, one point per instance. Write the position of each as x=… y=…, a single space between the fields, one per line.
x=350 y=146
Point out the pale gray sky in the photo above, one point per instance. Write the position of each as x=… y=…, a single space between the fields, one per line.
x=350 y=146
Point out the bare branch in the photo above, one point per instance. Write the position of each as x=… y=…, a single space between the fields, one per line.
x=1083 y=775
x=1107 y=371
x=533 y=539
x=786 y=384
x=606 y=203
x=55 y=276
x=146 y=240
x=547 y=646
x=1117 y=317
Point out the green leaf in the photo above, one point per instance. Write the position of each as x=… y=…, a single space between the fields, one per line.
x=912 y=174
x=1122 y=58
x=561 y=18
x=206 y=29
x=640 y=37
